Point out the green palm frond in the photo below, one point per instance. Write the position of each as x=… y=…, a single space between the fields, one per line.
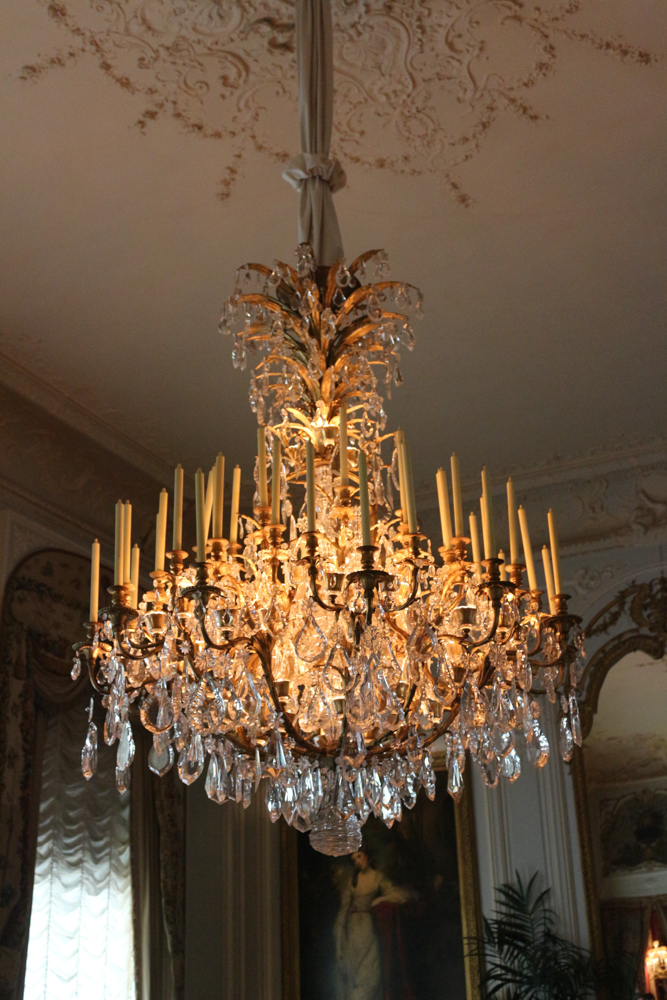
x=525 y=958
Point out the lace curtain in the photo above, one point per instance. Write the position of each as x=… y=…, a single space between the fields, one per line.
x=81 y=939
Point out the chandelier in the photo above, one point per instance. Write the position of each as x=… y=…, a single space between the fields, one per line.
x=320 y=650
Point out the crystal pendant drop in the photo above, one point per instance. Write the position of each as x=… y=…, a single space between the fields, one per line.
x=311 y=643
x=455 y=780
x=212 y=785
x=160 y=757
x=191 y=759
x=125 y=752
x=511 y=766
x=89 y=752
x=565 y=739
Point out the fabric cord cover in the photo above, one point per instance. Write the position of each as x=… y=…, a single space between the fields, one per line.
x=314 y=175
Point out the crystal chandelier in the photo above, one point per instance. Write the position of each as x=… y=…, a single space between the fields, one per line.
x=322 y=648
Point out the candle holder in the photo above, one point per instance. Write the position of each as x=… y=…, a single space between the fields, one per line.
x=176 y=559
x=459 y=546
x=342 y=508
x=515 y=571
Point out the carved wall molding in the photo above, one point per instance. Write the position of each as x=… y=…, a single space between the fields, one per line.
x=606 y=502
x=636 y=620
x=419 y=85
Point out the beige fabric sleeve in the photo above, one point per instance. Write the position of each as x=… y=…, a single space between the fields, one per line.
x=313 y=173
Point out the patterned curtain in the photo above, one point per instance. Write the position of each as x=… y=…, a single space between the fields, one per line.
x=625 y=928
x=45 y=602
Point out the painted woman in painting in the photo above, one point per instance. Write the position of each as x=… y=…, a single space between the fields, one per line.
x=358 y=947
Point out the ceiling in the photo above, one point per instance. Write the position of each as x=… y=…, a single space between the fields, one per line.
x=510 y=156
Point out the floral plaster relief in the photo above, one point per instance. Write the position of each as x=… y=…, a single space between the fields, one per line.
x=418 y=85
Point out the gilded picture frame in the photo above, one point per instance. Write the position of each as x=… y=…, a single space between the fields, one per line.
x=470 y=914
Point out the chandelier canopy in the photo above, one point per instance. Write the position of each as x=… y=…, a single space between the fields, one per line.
x=322 y=647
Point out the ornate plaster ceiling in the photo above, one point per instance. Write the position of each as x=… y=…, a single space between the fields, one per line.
x=425 y=81
x=509 y=155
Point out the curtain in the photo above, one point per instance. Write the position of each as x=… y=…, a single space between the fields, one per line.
x=45 y=603
x=158 y=876
x=81 y=938
x=625 y=928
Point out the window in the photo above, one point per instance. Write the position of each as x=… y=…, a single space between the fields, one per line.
x=81 y=940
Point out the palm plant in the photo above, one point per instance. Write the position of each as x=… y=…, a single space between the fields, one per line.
x=524 y=956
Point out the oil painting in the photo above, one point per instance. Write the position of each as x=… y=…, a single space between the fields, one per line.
x=384 y=923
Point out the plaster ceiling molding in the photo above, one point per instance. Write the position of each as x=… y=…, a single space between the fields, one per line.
x=419 y=86
x=59 y=405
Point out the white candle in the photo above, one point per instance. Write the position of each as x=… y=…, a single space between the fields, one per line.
x=511 y=517
x=488 y=510
x=218 y=495
x=161 y=531
x=200 y=509
x=127 y=541
x=310 y=484
x=399 y=438
x=208 y=502
x=443 y=503
x=548 y=576
x=456 y=496
x=118 y=547
x=275 y=481
x=364 y=501
x=234 y=516
x=474 y=538
x=342 y=446
x=134 y=575
x=177 y=538
x=488 y=551
x=94 y=581
x=555 y=552
x=502 y=570
x=527 y=550
x=262 y=484
x=409 y=488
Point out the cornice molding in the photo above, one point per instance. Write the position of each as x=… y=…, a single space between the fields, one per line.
x=57 y=404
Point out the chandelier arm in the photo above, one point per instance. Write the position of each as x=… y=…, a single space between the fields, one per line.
x=150 y=649
x=396 y=627
x=413 y=593
x=263 y=649
x=558 y=664
x=89 y=654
